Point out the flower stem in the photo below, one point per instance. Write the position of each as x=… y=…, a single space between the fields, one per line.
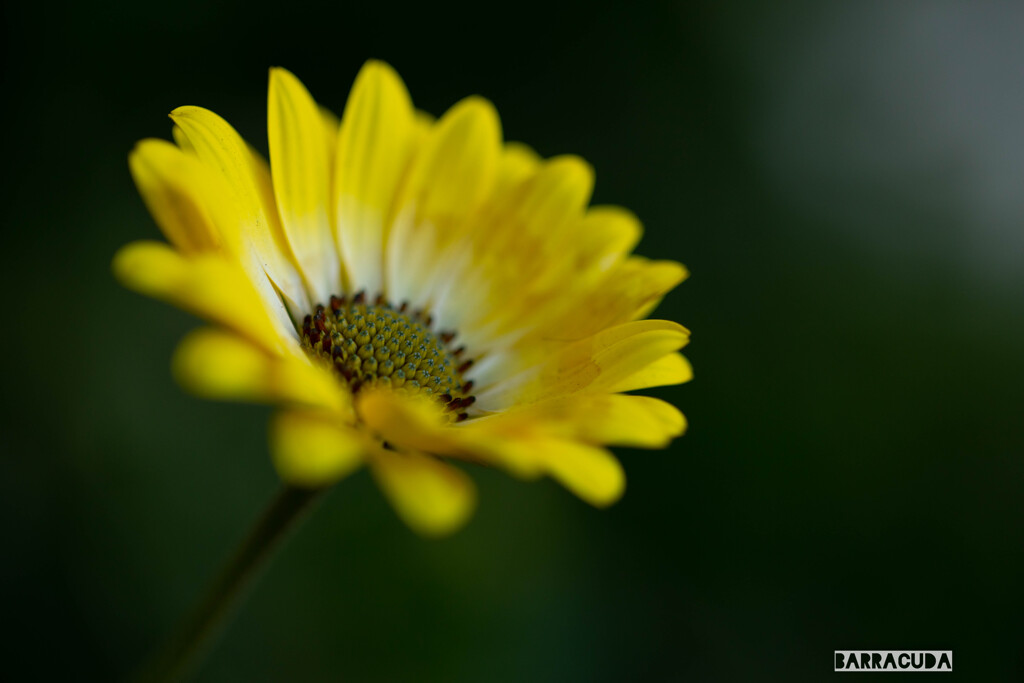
x=198 y=632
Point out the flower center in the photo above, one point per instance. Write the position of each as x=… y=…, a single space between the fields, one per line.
x=378 y=345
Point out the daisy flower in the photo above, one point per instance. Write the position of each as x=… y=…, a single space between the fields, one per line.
x=414 y=294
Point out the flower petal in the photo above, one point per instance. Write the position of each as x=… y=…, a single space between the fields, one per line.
x=313 y=450
x=553 y=437
x=220 y=147
x=181 y=140
x=417 y=423
x=198 y=214
x=518 y=162
x=613 y=419
x=452 y=173
x=533 y=442
x=629 y=291
x=605 y=234
x=220 y=365
x=206 y=285
x=301 y=171
x=410 y=422
x=556 y=195
x=331 y=124
x=174 y=186
x=666 y=371
x=433 y=498
x=593 y=364
x=377 y=132
x=593 y=474
x=520 y=250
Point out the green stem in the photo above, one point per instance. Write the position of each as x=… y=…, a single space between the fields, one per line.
x=198 y=632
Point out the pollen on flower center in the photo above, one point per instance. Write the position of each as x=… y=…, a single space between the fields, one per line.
x=378 y=345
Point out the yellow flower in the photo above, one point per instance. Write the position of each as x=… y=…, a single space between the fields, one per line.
x=411 y=293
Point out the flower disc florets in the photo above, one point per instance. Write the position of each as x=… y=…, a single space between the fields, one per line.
x=378 y=345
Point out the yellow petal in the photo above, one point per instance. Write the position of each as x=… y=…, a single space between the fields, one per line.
x=199 y=213
x=533 y=221
x=331 y=124
x=220 y=147
x=181 y=140
x=590 y=284
x=605 y=234
x=451 y=175
x=301 y=171
x=614 y=419
x=174 y=186
x=668 y=370
x=411 y=422
x=557 y=194
x=592 y=364
x=657 y=279
x=206 y=285
x=220 y=365
x=531 y=443
x=419 y=424
x=629 y=291
x=521 y=257
x=593 y=474
x=313 y=450
x=454 y=171
x=518 y=162
x=607 y=357
x=433 y=498
x=422 y=123
x=377 y=132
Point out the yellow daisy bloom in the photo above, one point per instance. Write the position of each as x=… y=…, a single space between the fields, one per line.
x=411 y=293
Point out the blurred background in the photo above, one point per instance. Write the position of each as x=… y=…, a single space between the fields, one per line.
x=844 y=182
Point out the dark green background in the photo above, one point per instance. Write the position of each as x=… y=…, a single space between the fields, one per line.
x=843 y=180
